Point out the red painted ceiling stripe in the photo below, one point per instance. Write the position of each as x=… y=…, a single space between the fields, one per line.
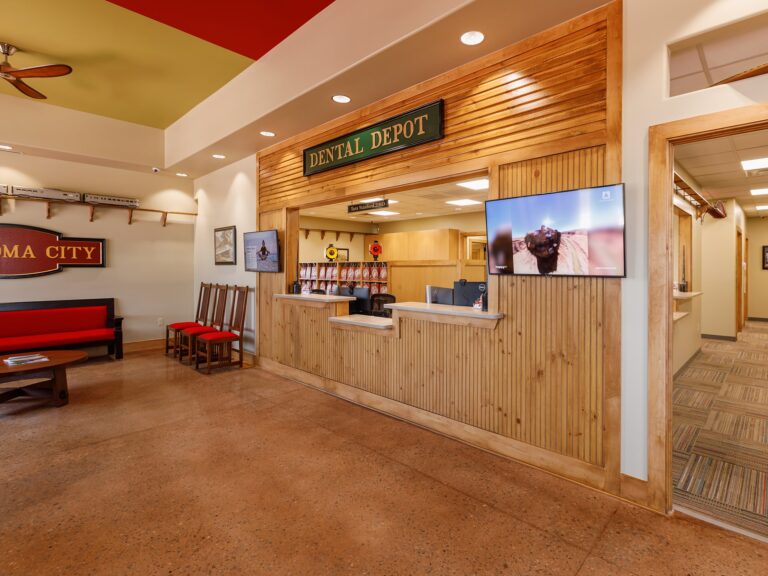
x=249 y=27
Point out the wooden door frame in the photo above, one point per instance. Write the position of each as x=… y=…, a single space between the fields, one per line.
x=661 y=139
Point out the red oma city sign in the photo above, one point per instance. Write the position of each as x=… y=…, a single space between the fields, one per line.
x=28 y=251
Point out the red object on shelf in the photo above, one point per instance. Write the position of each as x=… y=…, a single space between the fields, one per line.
x=375 y=249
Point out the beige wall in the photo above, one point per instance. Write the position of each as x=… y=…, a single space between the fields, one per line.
x=227 y=197
x=758 y=278
x=649 y=27
x=719 y=270
x=149 y=268
x=467 y=222
x=312 y=248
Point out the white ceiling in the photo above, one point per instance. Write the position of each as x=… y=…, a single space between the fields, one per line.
x=705 y=60
x=418 y=56
x=716 y=167
x=424 y=202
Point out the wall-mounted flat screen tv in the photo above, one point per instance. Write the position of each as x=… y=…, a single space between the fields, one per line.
x=572 y=233
x=262 y=251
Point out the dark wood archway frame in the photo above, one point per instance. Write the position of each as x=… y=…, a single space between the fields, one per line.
x=661 y=139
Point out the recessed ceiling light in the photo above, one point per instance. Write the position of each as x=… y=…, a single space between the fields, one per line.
x=480 y=184
x=182 y=174
x=419 y=213
x=383 y=213
x=5 y=147
x=762 y=207
x=756 y=164
x=267 y=133
x=759 y=192
x=463 y=202
x=394 y=201
x=341 y=99
x=367 y=200
x=218 y=156
x=472 y=38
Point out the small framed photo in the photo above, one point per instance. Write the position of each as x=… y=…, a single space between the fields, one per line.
x=765 y=257
x=225 y=245
x=343 y=255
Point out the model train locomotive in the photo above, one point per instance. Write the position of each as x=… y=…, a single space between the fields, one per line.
x=66 y=196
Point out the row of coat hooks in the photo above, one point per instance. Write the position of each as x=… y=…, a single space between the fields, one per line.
x=92 y=209
x=324 y=232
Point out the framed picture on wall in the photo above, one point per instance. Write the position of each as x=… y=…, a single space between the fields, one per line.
x=262 y=251
x=225 y=245
x=343 y=255
x=765 y=257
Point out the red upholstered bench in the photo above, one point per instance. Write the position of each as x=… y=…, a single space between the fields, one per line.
x=27 y=326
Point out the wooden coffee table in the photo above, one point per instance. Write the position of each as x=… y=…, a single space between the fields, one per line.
x=54 y=370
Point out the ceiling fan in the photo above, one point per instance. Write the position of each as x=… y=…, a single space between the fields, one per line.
x=16 y=77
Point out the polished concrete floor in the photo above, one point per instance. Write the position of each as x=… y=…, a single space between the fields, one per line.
x=153 y=469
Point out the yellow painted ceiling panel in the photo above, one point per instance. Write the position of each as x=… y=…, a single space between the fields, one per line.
x=126 y=66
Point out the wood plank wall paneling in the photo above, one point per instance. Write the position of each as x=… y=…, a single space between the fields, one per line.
x=544 y=385
x=554 y=92
x=538 y=378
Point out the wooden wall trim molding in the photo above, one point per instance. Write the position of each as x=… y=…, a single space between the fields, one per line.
x=661 y=138
x=143 y=345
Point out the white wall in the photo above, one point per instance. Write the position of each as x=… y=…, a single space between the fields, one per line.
x=649 y=26
x=226 y=197
x=149 y=268
x=758 y=278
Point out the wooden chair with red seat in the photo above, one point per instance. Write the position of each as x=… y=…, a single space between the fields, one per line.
x=188 y=336
x=201 y=318
x=217 y=346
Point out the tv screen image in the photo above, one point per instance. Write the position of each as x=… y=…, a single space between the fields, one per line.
x=262 y=251
x=572 y=233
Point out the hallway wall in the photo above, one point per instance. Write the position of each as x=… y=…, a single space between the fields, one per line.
x=758 y=278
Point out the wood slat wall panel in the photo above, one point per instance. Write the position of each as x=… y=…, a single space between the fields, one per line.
x=544 y=376
x=538 y=378
x=555 y=91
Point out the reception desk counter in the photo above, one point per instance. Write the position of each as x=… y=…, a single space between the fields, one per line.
x=439 y=313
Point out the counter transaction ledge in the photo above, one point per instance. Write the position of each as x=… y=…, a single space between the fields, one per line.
x=343 y=320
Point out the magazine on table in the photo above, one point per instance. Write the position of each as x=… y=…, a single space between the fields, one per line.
x=25 y=359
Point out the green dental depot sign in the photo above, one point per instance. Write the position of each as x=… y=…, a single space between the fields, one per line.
x=412 y=128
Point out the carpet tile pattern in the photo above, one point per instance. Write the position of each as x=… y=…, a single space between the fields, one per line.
x=720 y=430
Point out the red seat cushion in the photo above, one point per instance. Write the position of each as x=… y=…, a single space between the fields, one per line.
x=182 y=325
x=56 y=339
x=199 y=330
x=219 y=337
x=52 y=320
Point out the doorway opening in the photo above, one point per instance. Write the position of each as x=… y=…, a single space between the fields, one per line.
x=717 y=380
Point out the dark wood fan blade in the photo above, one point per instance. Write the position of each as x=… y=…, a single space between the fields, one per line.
x=26 y=89
x=48 y=71
x=752 y=72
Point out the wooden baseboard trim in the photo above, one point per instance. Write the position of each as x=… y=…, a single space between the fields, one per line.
x=635 y=490
x=716 y=337
x=568 y=468
x=143 y=345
